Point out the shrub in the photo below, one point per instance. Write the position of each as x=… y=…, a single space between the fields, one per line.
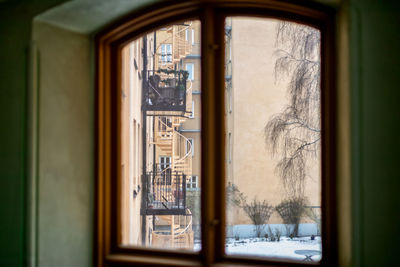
x=259 y=214
x=291 y=210
x=315 y=216
x=278 y=234
x=274 y=236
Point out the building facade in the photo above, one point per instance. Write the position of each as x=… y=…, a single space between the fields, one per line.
x=156 y=152
x=252 y=97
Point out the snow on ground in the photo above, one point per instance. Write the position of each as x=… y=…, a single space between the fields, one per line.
x=285 y=248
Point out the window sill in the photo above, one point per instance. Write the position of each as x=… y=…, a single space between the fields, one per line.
x=125 y=260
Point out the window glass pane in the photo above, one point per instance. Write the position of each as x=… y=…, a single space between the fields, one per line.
x=273 y=139
x=191 y=115
x=190 y=70
x=157 y=140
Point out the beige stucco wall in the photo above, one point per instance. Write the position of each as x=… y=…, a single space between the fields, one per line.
x=256 y=97
x=131 y=143
x=196 y=48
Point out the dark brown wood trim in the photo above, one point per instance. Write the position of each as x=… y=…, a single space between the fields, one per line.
x=220 y=134
x=129 y=260
x=209 y=137
x=329 y=144
x=116 y=201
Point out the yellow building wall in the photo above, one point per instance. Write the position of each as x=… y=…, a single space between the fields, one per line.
x=256 y=97
x=132 y=143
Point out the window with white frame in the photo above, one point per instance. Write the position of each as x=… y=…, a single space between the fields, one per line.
x=164 y=124
x=165 y=162
x=192 y=36
x=190 y=69
x=192 y=182
x=192 y=114
x=190 y=146
x=166 y=53
x=165 y=170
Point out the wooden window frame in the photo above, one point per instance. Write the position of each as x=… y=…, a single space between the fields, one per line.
x=109 y=43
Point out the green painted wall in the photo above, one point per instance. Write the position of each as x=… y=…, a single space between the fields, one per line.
x=15 y=32
x=67 y=211
x=65 y=168
x=375 y=90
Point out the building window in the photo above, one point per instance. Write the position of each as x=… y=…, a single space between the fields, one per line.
x=190 y=69
x=192 y=113
x=192 y=36
x=190 y=146
x=165 y=172
x=166 y=53
x=165 y=163
x=110 y=248
x=164 y=126
x=192 y=183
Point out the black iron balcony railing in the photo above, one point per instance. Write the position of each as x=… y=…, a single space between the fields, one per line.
x=165 y=193
x=165 y=90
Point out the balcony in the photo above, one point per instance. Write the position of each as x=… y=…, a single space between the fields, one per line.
x=165 y=90
x=165 y=193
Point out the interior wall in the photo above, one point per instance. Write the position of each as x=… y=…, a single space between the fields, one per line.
x=15 y=33
x=65 y=147
x=375 y=78
x=63 y=38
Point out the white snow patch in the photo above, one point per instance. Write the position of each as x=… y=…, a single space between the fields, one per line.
x=285 y=248
x=247 y=230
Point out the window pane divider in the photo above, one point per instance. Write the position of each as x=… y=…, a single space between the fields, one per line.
x=208 y=151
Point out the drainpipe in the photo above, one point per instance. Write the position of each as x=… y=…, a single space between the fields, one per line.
x=155 y=50
x=144 y=143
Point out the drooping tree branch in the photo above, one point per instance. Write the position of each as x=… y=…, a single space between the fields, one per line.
x=293 y=135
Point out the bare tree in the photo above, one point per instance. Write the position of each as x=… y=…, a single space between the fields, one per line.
x=293 y=135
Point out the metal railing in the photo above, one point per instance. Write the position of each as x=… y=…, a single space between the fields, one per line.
x=165 y=193
x=165 y=90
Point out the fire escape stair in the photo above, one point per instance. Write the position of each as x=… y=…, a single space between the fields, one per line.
x=178 y=236
x=170 y=141
x=168 y=185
